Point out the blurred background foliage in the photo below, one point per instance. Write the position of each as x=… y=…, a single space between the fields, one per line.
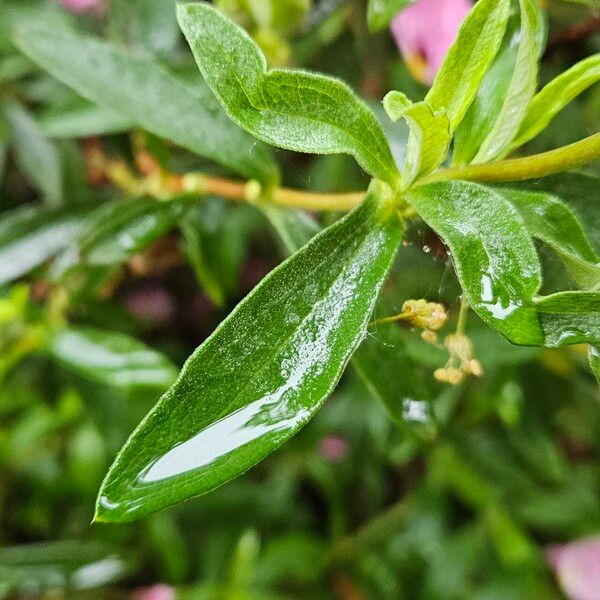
x=458 y=495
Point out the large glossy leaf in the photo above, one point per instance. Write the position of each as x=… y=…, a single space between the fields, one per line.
x=493 y=253
x=581 y=191
x=521 y=88
x=31 y=235
x=556 y=95
x=381 y=12
x=468 y=59
x=37 y=157
x=264 y=372
x=295 y=110
x=111 y=358
x=148 y=94
x=553 y=222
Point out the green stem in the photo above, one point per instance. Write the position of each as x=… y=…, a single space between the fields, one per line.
x=529 y=167
x=378 y=529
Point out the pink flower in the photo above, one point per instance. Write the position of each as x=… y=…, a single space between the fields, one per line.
x=425 y=30
x=155 y=592
x=152 y=304
x=80 y=6
x=333 y=448
x=577 y=567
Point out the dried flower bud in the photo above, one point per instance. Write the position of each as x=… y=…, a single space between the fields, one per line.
x=424 y=315
x=450 y=375
x=429 y=336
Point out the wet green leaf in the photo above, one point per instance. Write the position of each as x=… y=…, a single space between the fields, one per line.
x=295 y=110
x=37 y=157
x=381 y=12
x=31 y=235
x=493 y=253
x=521 y=88
x=468 y=60
x=492 y=93
x=148 y=94
x=554 y=223
x=111 y=358
x=555 y=96
x=263 y=373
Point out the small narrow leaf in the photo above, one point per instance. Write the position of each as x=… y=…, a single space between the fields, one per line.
x=31 y=235
x=294 y=227
x=468 y=59
x=493 y=253
x=37 y=157
x=83 y=120
x=145 y=92
x=216 y=236
x=295 y=110
x=521 y=88
x=381 y=12
x=110 y=358
x=550 y=220
x=594 y=358
x=264 y=372
x=429 y=136
x=120 y=229
x=555 y=96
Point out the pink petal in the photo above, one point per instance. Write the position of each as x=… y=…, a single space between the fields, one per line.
x=333 y=448
x=155 y=592
x=427 y=29
x=577 y=567
x=80 y=6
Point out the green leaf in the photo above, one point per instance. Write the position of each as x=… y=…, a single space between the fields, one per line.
x=119 y=229
x=263 y=373
x=550 y=220
x=581 y=191
x=521 y=88
x=381 y=12
x=215 y=238
x=468 y=60
x=295 y=110
x=594 y=358
x=294 y=227
x=391 y=375
x=110 y=358
x=555 y=96
x=37 y=157
x=429 y=136
x=145 y=92
x=571 y=317
x=31 y=235
x=493 y=253
x=83 y=120
x=146 y=25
